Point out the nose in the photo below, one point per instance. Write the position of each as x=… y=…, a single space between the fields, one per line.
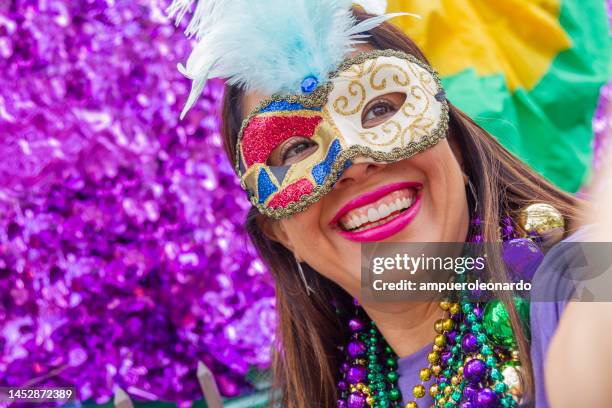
x=359 y=171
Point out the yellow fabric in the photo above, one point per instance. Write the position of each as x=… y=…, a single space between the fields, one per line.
x=518 y=38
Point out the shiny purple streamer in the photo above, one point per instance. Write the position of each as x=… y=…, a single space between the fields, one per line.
x=123 y=257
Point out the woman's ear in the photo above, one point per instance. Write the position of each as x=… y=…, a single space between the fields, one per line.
x=274 y=230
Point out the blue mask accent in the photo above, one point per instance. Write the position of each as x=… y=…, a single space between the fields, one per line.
x=280 y=106
x=265 y=186
x=323 y=169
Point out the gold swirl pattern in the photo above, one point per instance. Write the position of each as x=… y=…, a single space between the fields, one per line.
x=419 y=128
x=419 y=94
x=388 y=127
x=377 y=77
x=425 y=78
x=396 y=79
x=344 y=101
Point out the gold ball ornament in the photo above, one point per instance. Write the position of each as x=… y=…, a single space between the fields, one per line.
x=544 y=221
x=434 y=390
x=411 y=404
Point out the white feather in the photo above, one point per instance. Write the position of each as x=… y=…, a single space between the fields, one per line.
x=377 y=7
x=268 y=45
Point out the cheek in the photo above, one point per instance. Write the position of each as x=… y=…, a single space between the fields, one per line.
x=446 y=192
x=304 y=231
x=334 y=257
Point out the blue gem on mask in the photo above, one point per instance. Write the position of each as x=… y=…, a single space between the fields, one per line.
x=323 y=169
x=309 y=84
x=440 y=96
x=265 y=186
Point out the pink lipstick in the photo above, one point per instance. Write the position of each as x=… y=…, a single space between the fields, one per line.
x=379 y=214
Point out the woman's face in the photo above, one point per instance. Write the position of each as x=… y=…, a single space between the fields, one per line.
x=420 y=199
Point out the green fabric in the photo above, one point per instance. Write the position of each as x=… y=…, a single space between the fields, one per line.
x=550 y=126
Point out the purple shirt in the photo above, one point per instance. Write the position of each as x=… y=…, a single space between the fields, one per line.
x=544 y=319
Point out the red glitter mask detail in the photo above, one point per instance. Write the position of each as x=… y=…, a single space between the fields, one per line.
x=292 y=193
x=263 y=134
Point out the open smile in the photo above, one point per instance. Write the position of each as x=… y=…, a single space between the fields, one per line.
x=379 y=214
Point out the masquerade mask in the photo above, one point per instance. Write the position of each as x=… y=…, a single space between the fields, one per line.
x=292 y=149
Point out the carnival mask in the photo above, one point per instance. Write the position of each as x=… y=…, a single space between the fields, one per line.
x=331 y=117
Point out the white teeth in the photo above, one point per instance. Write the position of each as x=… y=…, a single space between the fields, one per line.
x=376 y=224
x=384 y=211
x=377 y=216
x=373 y=215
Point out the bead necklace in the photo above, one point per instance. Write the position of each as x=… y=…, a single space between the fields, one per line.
x=473 y=363
x=369 y=374
x=468 y=368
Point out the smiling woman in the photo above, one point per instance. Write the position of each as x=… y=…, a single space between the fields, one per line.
x=341 y=133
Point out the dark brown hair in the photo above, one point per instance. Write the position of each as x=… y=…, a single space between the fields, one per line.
x=307 y=360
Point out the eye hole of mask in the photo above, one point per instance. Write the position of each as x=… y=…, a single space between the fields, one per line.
x=381 y=109
x=292 y=150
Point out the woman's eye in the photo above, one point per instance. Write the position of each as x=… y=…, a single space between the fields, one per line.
x=381 y=109
x=292 y=151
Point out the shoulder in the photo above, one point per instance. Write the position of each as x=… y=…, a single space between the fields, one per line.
x=556 y=281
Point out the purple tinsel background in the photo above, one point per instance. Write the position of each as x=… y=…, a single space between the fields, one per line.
x=123 y=257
